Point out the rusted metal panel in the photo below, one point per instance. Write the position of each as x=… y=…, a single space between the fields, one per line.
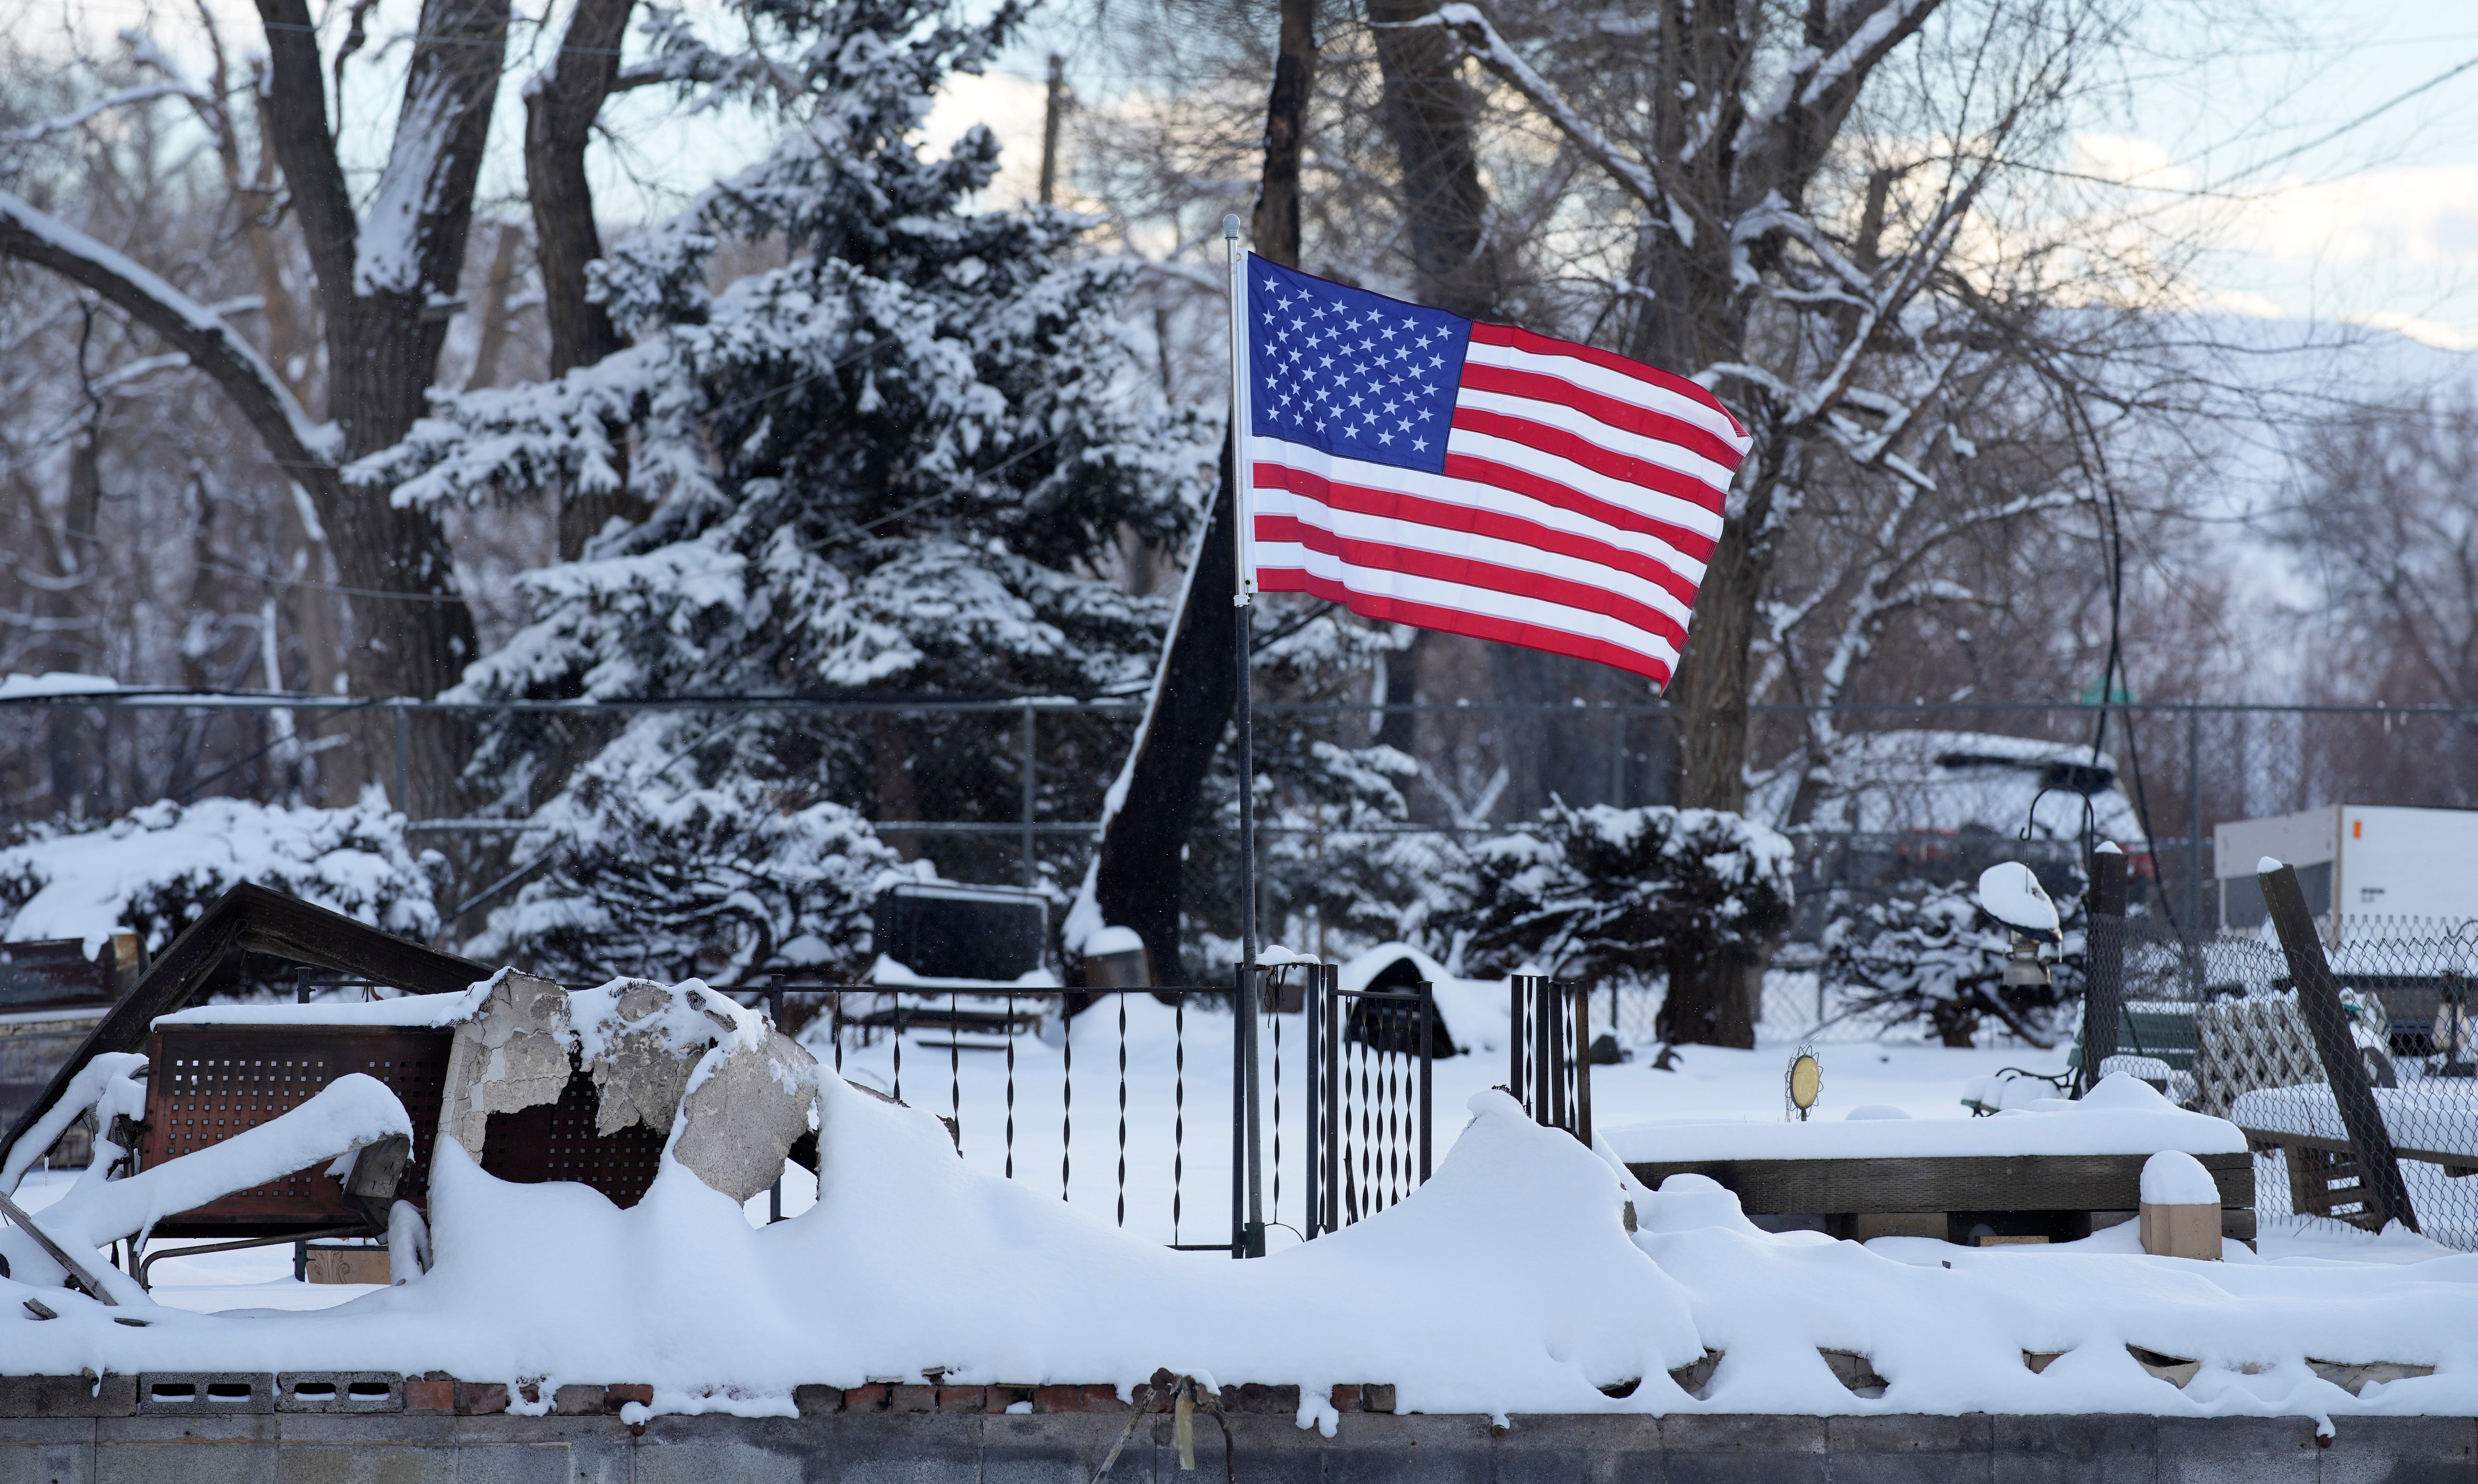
x=212 y=1082
x=259 y=921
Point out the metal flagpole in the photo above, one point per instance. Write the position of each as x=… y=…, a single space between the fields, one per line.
x=1244 y=1012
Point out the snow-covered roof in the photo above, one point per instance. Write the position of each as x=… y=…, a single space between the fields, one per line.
x=2119 y=1116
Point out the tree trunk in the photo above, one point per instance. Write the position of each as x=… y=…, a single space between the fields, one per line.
x=1430 y=113
x=1275 y=229
x=561 y=106
x=387 y=289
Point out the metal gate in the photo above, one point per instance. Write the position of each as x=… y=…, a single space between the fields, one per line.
x=1370 y=1123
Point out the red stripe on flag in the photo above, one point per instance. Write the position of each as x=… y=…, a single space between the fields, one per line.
x=1455 y=620
x=1414 y=510
x=1472 y=469
x=1643 y=421
x=1608 y=359
x=1559 y=444
x=1473 y=572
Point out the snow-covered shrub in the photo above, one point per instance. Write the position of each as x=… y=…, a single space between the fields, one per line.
x=156 y=869
x=1926 y=952
x=1603 y=892
x=723 y=883
x=903 y=461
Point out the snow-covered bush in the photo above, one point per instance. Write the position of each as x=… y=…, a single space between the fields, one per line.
x=724 y=883
x=1603 y=892
x=1926 y=952
x=903 y=461
x=155 y=869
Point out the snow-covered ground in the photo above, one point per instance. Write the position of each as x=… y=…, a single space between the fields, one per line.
x=1924 y=1081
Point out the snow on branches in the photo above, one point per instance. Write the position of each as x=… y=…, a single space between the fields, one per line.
x=156 y=869
x=725 y=882
x=902 y=461
x=1926 y=952
x=1603 y=891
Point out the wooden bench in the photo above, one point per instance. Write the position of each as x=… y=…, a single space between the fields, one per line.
x=2015 y=1195
x=2323 y=1172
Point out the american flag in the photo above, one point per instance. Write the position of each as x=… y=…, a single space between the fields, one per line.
x=1418 y=467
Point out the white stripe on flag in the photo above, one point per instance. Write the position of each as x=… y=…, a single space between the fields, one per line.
x=1593 y=377
x=1475 y=494
x=1484 y=602
x=1557 y=468
x=1439 y=541
x=1592 y=430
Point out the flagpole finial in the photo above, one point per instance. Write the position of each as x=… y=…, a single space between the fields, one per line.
x=1230 y=226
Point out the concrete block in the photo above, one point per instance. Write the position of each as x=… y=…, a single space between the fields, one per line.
x=239 y=1449
x=324 y=1463
x=1715 y=1449
x=677 y=1450
x=1373 y=1447
x=907 y=1447
x=1263 y=1450
x=68 y=1396
x=514 y=1463
x=1557 y=1449
x=2401 y=1450
x=1062 y=1447
x=1910 y=1450
x=2100 y=1449
x=205 y=1393
x=2237 y=1450
x=46 y=1450
x=339 y=1391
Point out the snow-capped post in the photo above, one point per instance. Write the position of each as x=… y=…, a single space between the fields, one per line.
x=1251 y=1236
x=2318 y=1001
x=2103 y=960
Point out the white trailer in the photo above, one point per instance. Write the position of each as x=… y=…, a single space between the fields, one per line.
x=2353 y=861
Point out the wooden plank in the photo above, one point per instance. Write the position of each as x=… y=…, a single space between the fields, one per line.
x=2267 y=1140
x=2004 y=1182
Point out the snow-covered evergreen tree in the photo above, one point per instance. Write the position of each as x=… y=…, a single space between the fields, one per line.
x=1635 y=893
x=902 y=461
x=1926 y=952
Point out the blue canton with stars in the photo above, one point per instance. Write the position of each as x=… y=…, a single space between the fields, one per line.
x=1355 y=373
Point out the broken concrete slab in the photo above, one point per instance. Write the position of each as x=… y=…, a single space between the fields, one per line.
x=511 y=1055
x=743 y=1116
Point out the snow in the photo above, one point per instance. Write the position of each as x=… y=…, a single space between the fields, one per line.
x=1446 y=1295
x=57 y=682
x=2173 y=1177
x=157 y=867
x=103 y=1075
x=2265 y=867
x=404 y=1010
x=2009 y=891
x=2439 y=1122
x=387 y=250
x=2119 y=1116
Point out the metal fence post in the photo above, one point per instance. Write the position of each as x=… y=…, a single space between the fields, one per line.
x=2319 y=998
x=1584 y=1065
x=2196 y=928
x=1032 y=862
x=2103 y=960
x=1427 y=1050
x=403 y=759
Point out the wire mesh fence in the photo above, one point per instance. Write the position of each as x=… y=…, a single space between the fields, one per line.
x=2217 y=1024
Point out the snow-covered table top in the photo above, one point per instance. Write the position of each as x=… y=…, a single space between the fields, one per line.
x=423 y=1011
x=2120 y=1116
x=2416 y=1118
